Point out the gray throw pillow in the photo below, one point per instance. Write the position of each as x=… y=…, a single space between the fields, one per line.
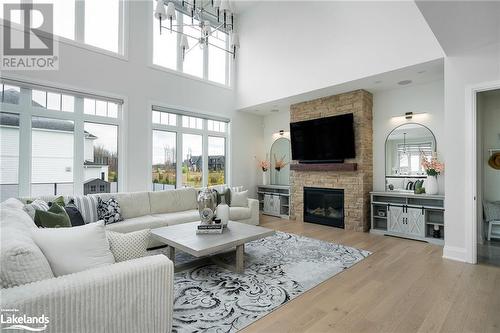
x=127 y=246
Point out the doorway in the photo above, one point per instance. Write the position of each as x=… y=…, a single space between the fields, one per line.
x=488 y=176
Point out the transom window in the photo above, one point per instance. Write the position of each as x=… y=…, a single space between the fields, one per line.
x=99 y=23
x=188 y=151
x=63 y=150
x=209 y=63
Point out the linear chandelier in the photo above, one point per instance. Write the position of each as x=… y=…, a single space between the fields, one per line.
x=212 y=15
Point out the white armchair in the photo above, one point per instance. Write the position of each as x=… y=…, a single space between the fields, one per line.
x=130 y=296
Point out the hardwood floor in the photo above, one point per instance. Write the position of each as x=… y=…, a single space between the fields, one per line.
x=405 y=286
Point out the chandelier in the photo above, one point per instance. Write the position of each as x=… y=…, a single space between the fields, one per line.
x=212 y=15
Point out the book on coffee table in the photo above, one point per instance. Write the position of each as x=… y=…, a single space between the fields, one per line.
x=209 y=229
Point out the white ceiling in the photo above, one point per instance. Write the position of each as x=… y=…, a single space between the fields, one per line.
x=418 y=74
x=462 y=25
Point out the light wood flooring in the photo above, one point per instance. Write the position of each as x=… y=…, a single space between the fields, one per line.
x=405 y=286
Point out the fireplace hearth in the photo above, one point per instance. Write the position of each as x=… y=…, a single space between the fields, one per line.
x=324 y=206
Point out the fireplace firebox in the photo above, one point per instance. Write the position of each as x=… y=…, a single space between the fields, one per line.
x=324 y=206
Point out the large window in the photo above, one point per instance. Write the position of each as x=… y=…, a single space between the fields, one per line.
x=94 y=22
x=198 y=143
x=63 y=150
x=209 y=63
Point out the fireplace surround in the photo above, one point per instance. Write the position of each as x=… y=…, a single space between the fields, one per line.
x=324 y=206
x=356 y=182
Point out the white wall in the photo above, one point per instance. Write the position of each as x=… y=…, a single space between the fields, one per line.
x=292 y=47
x=273 y=123
x=490 y=116
x=462 y=70
x=390 y=105
x=141 y=85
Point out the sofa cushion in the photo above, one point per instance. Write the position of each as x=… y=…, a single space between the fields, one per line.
x=21 y=259
x=128 y=246
x=72 y=250
x=179 y=217
x=12 y=203
x=239 y=213
x=15 y=218
x=173 y=200
x=239 y=199
x=87 y=205
x=137 y=223
x=133 y=204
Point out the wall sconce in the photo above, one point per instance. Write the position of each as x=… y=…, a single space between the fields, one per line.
x=282 y=132
x=408 y=115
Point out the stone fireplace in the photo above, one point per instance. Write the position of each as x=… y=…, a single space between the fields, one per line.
x=355 y=177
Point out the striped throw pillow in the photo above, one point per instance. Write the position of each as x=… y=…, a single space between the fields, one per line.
x=34 y=206
x=87 y=205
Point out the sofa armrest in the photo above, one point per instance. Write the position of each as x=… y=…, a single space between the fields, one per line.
x=253 y=204
x=130 y=296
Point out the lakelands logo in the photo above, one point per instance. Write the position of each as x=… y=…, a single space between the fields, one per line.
x=28 y=39
x=11 y=319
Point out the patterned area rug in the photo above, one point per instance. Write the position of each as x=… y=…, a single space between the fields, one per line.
x=209 y=298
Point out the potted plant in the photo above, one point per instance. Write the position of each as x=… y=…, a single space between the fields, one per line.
x=432 y=168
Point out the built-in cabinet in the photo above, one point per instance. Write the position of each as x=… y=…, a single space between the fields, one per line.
x=274 y=200
x=415 y=216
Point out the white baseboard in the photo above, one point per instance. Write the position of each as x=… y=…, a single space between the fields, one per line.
x=455 y=253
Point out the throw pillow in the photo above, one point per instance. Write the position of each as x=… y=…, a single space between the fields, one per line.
x=35 y=205
x=75 y=217
x=72 y=250
x=21 y=259
x=59 y=200
x=239 y=199
x=109 y=211
x=87 y=205
x=128 y=246
x=492 y=211
x=55 y=217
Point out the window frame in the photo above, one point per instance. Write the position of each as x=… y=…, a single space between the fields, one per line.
x=79 y=40
x=153 y=24
x=204 y=132
x=26 y=111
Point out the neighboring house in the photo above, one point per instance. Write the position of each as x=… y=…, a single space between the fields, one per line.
x=215 y=163
x=52 y=155
x=96 y=185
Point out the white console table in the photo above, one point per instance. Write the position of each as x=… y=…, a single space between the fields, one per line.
x=408 y=215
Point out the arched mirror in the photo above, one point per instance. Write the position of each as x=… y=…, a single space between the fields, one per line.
x=280 y=161
x=405 y=147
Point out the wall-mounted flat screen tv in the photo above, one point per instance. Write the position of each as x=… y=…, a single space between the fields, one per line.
x=329 y=139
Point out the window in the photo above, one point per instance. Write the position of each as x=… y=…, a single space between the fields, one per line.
x=410 y=157
x=216 y=160
x=10 y=94
x=192 y=160
x=198 y=143
x=101 y=154
x=9 y=149
x=94 y=22
x=51 y=156
x=164 y=160
x=210 y=63
x=52 y=165
x=100 y=108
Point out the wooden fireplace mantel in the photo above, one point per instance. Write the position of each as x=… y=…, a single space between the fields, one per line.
x=324 y=167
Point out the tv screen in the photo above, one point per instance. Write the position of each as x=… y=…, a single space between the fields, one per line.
x=328 y=139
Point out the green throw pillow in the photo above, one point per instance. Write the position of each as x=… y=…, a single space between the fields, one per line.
x=59 y=201
x=55 y=217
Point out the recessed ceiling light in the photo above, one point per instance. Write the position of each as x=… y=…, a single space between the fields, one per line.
x=404 y=82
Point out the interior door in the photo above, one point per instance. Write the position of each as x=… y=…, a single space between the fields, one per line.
x=415 y=222
x=395 y=219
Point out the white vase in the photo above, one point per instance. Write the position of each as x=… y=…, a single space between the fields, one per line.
x=223 y=213
x=431 y=185
x=264 y=178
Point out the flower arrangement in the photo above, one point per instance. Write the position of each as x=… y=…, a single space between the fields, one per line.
x=279 y=163
x=432 y=166
x=264 y=165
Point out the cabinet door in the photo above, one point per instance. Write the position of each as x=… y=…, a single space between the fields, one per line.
x=395 y=218
x=267 y=203
x=415 y=222
x=276 y=204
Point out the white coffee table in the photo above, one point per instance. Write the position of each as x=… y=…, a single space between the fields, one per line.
x=183 y=237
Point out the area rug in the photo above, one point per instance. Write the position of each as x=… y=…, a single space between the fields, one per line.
x=278 y=268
